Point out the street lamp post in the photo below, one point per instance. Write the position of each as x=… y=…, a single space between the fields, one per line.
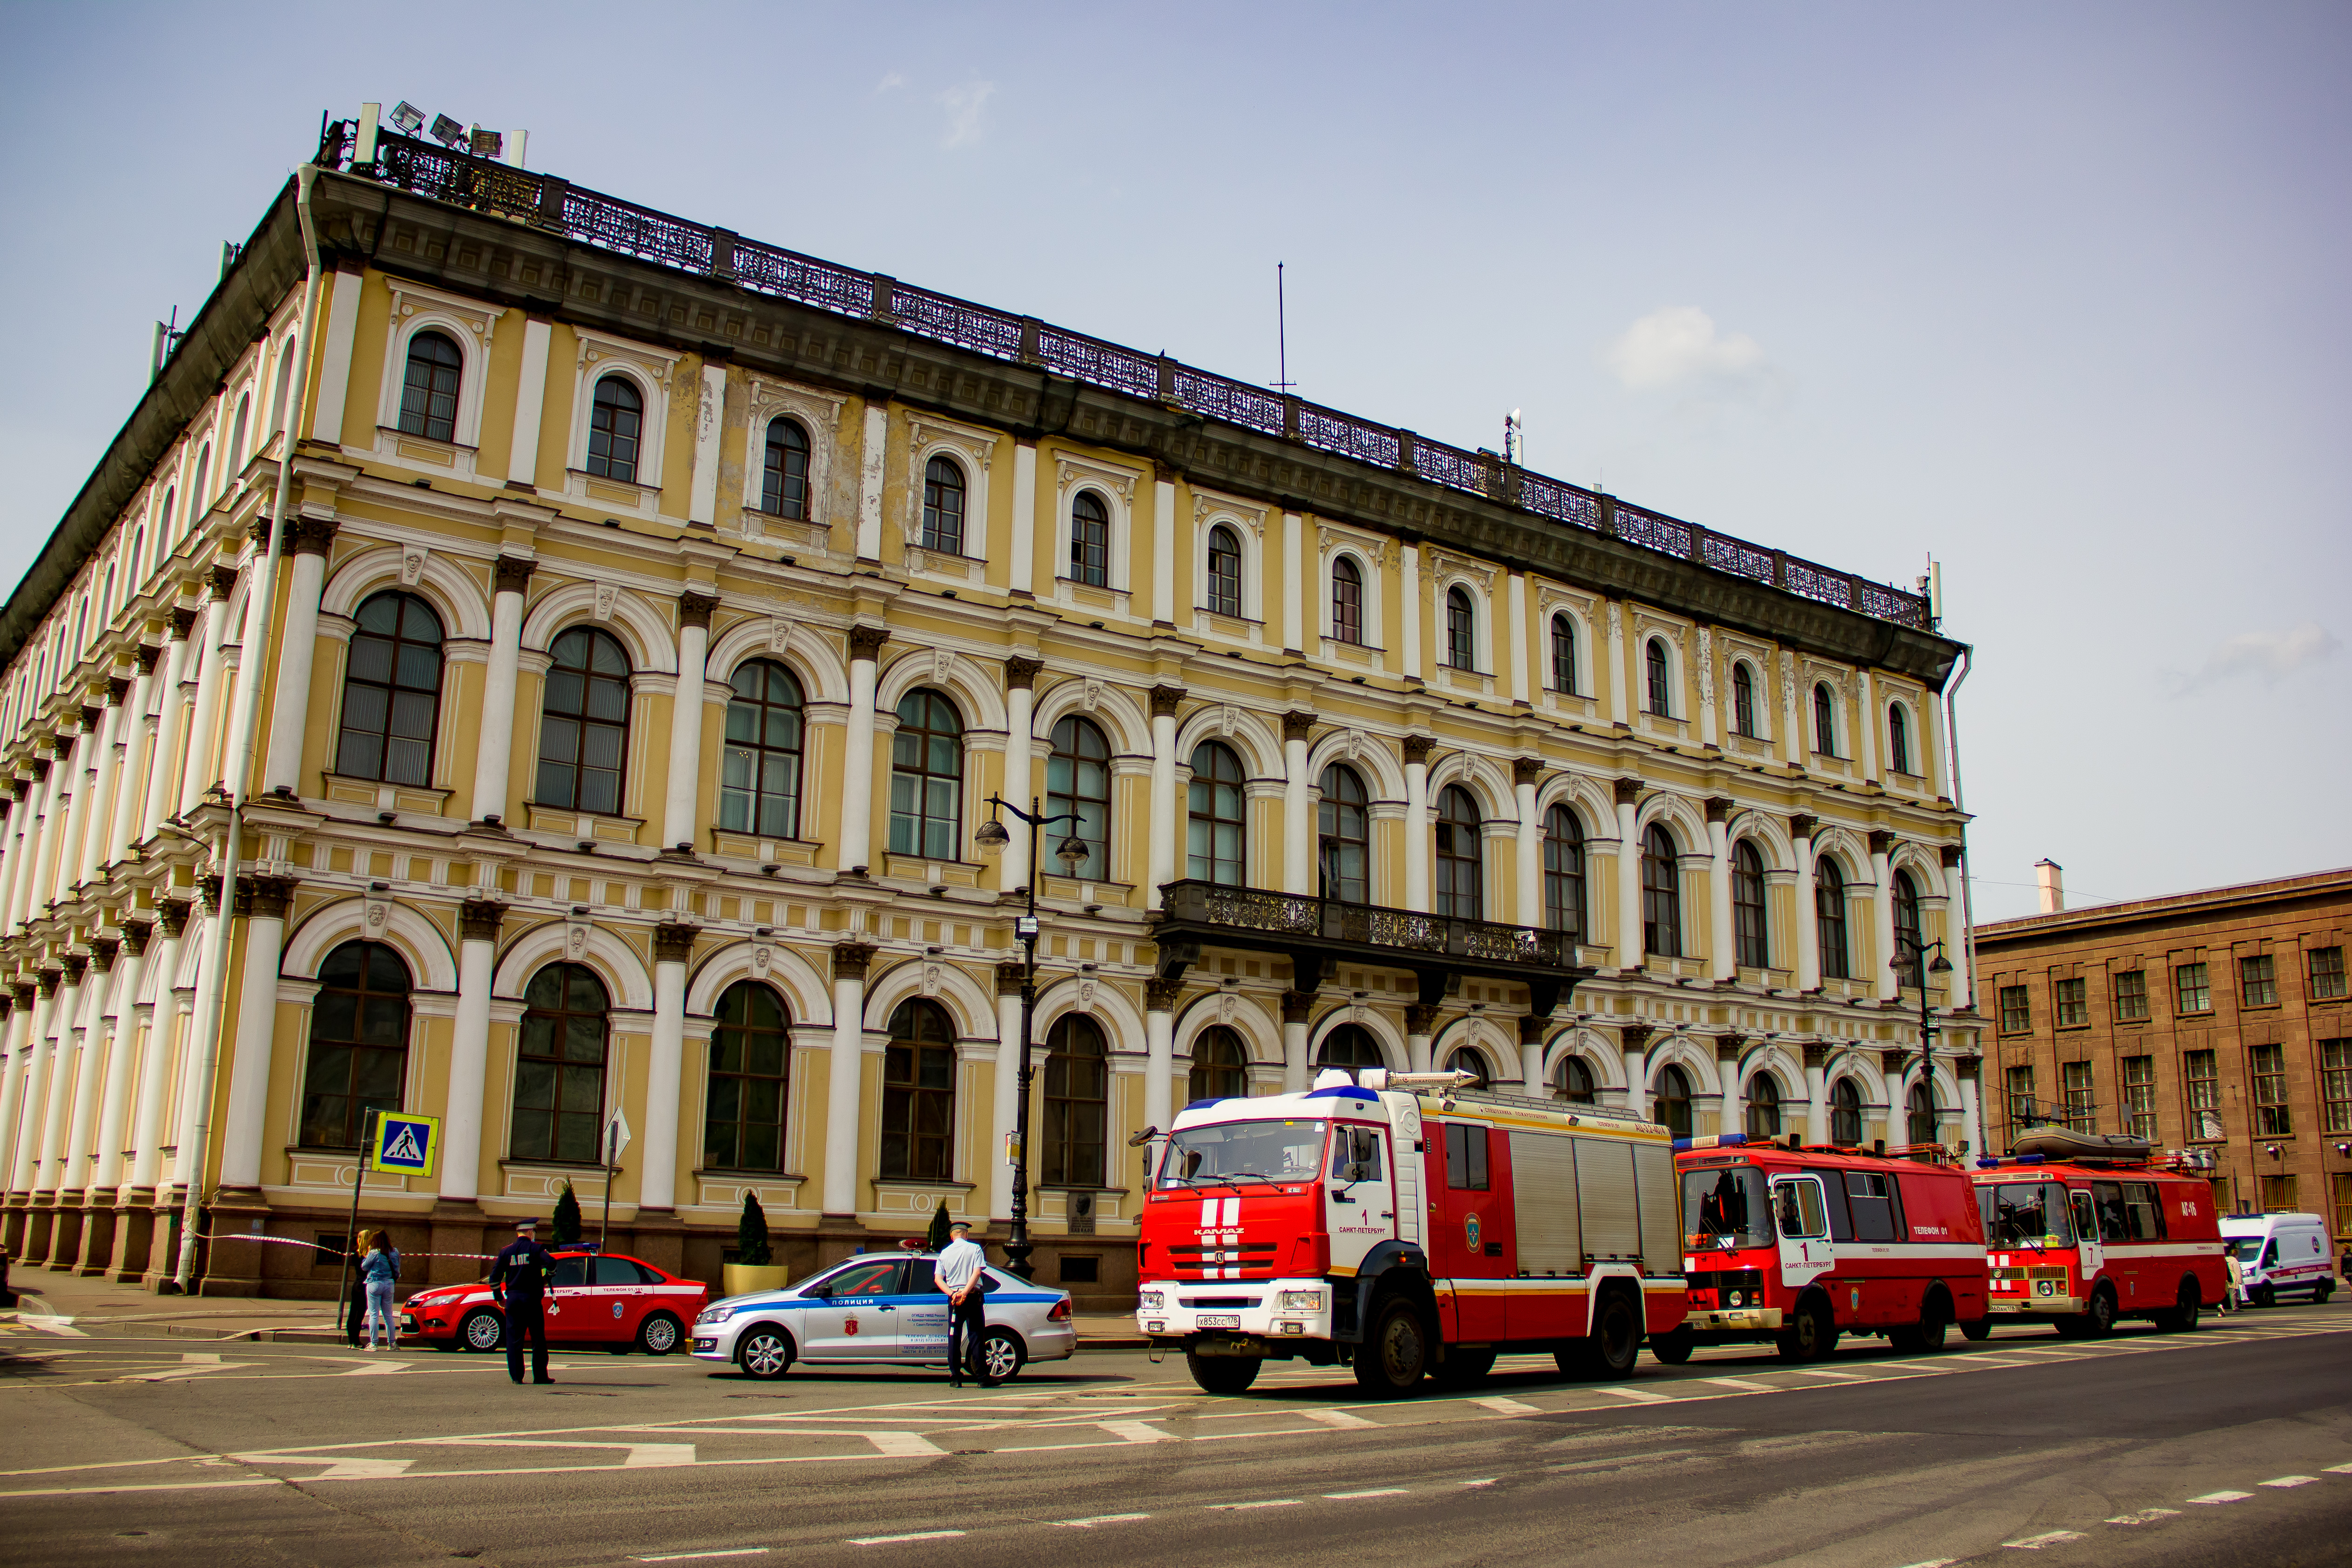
x=991 y=839
x=1917 y=950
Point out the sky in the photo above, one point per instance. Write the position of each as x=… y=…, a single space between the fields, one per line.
x=2055 y=293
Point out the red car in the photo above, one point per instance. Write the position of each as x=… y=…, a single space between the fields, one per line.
x=593 y=1299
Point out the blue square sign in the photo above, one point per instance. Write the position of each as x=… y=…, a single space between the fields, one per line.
x=404 y=1145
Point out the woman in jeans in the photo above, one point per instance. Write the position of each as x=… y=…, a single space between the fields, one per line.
x=380 y=1270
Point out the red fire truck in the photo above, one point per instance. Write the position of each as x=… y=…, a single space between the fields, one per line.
x=1798 y=1246
x=1408 y=1227
x=2084 y=1230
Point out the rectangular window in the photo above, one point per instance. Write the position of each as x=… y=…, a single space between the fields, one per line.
x=2341 y=1202
x=2221 y=1202
x=2192 y=989
x=2143 y=1214
x=2131 y=996
x=2326 y=968
x=2016 y=1009
x=2278 y=1195
x=2272 y=1116
x=2074 y=1079
x=2139 y=1095
x=2072 y=999
x=2200 y=1081
x=2258 y=981
x=2020 y=1086
x=2335 y=1083
x=1466 y=1157
x=1877 y=1216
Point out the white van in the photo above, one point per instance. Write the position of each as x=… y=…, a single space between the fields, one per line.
x=2281 y=1252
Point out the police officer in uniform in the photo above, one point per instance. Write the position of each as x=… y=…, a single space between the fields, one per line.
x=957 y=1273
x=518 y=1284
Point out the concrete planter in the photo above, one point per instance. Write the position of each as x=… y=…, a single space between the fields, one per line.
x=742 y=1279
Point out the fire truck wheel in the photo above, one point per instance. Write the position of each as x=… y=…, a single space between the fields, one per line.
x=1977 y=1331
x=1395 y=1356
x=1610 y=1351
x=1674 y=1346
x=2183 y=1315
x=1813 y=1336
x=1461 y=1368
x=1222 y=1374
x=2098 y=1320
x=1927 y=1333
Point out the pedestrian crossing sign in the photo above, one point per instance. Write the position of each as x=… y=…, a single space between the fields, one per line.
x=404 y=1145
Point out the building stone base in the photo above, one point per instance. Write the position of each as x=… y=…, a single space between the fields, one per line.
x=134 y=1235
x=95 y=1254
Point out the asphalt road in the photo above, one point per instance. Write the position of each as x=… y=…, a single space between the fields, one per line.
x=2229 y=1445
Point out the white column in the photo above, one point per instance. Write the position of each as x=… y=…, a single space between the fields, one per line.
x=65 y=1027
x=1417 y=863
x=106 y=1168
x=876 y=431
x=13 y=1076
x=1294 y=582
x=1723 y=942
x=1529 y=846
x=1618 y=711
x=685 y=781
x=32 y=1103
x=335 y=357
x=1409 y=634
x=469 y=1050
x=182 y=655
x=1164 y=531
x=1972 y=1110
x=1633 y=1042
x=702 y=500
x=1419 y=1023
x=1298 y=825
x=494 y=762
x=40 y=890
x=657 y=1180
x=1007 y=1104
x=530 y=400
x=1159 y=1051
x=1165 y=811
x=1793 y=730
x=1882 y=914
x=1727 y=1072
x=257 y=1031
x=1710 y=726
x=1297 y=1018
x=1865 y=728
x=1515 y=592
x=843 y=1102
x=1817 y=1096
x=1630 y=951
x=1809 y=930
x=16 y=831
x=202 y=770
x=155 y=1064
x=298 y=649
x=1022 y=567
x=1531 y=1076
x=71 y=815
x=130 y=768
x=1961 y=984
x=105 y=780
x=189 y=1156
x=1020 y=741
x=856 y=850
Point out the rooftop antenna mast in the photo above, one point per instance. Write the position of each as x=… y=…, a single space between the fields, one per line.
x=1282 y=381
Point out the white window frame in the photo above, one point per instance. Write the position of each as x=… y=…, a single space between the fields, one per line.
x=470 y=326
x=654 y=370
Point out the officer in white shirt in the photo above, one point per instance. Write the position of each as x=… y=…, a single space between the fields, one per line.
x=957 y=1273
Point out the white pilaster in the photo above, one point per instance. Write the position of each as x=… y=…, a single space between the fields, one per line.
x=1515 y=592
x=1409 y=634
x=1529 y=846
x=155 y=1064
x=1024 y=565
x=1020 y=743
x=290 y=709
x=1817 y=1100
x=1162 y=837
x=181 y=654
x=494 y=762
x=1809 y=928
x=106 y=1166
x=131 y=763
x=256 y=1027
x=1865 y=728
x=1160 y=1053
x=32 y=1102
x=1723 y=942
x=1297 y=1022
x=469 y=1052
x=106 y=773
x=65 y=1025
x=1007 y=1101
x=335 y=359
x=843 y=1098
x=855 y=850
x=1618 y=712
x=1294 y=582
x=702 y=501
x=1629 y=950
x=685 y=777
x=14 y=1074
x=1882 y=918
x=1417 y=851
x=1164 y=531
x=658 y=1176
x=877 y=435
x=530 y=400
x=202 y=769
x=1298 y=827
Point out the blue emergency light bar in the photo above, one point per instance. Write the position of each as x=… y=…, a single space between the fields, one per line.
x=1712 y=1141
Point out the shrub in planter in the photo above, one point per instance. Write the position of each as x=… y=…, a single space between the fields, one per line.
x=753 y=1268
x=567 y=1216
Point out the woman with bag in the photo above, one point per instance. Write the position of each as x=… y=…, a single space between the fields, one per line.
x=379 y=1273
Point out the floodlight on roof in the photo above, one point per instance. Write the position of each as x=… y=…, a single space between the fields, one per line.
x=486 y=144
x=447 y=132
x=408 y=117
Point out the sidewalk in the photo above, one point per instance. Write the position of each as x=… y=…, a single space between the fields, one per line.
x=64 y=1305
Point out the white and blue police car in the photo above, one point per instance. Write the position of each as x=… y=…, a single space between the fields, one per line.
x=881 y=1308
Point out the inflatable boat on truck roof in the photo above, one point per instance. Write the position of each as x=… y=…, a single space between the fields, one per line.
x=1408 y=1227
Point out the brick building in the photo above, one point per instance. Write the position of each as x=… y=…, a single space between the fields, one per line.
x=2217 y=1019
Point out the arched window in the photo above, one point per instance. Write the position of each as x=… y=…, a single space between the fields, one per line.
x=428 y=397
x=1908 y=938
x=1563 y=655
x=1077 y=783
x=359 y=1044
x=943 y=503
x=1921 y=1120
x=1661 y=677
x=1763 y=1106
x=583 y=728
x=1461 y=625
x=1824 y=720
x=1674 y=1101
x=1077 y=1103
x=199 y=492
x=918 y=1094
x=1828 y=918
x=1347 y=601
x=760 y=775
x=784 y=475
x=1350 y=1046
x=1662 y=895
x=1563 y=873
x=1224 y=571
x=392 y=692
x=1090 y=540
x=1898 y=738
x=1743 y=700
x=1343 y=847
x=282 y=390
x=1216 y=830
x=1845 y=1113
x=1220 y=1065
x=615 y=422
x=1461 y=887
x=1573 y=1082
x=559 y=1096
x=751 y=1069
x=237 y=432
x=1753 y=946
x=1472 y=1061
x=926 y=778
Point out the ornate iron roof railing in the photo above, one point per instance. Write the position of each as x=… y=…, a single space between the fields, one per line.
x=546 y=201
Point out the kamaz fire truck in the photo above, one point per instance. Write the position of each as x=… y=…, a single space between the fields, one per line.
x=1798 y=1245
x=2084 y=1229
x=1408 y=1227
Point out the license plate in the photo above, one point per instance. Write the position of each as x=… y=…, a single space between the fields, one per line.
x=1221 y=1320
x=407 y=1323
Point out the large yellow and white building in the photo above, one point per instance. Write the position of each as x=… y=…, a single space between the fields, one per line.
x=659 y=611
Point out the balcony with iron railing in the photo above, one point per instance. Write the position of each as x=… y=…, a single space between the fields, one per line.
x=546 y=203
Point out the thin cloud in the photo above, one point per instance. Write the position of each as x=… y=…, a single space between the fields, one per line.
x=1679 y=345
x=963 y=105
x=2267 y=656
x=891 y=83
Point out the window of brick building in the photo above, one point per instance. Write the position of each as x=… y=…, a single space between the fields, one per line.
x=2273 y=1117
x=2139 y=1095
x=2018 y=1083
x=2131 y=995
x=2278 y=1195
x=2340 y=1201
x=2200 y=1078
x=2193 y=989
x=2326 y=967
x=2075 y=1082
x=2258 y=981
x=2072 y=999
x=2016 y=1009
x=2336 y=1084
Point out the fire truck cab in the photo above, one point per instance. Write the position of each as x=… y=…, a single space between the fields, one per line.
x=2113 y=1233
x=1408 y=1227
x=1798 y=1246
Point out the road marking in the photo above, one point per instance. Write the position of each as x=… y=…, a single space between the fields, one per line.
x=1099 y=1518
x=1501 y=1406
x=351 y=1470
x=1639 y=1396
x=1825 y=1372
x=1263 y=1502
x=1932 y=1562
x=1343 y=1420
x=894 y=1540
x=2339 y=1470
x=1488 y=1481
x=2051 y=1538
x=2218 y=1497
x=1137 y=1431
x=689 y=1556
x=55 y=1325
x=903 y=1445
x=2146 y=1516
x=1745 y=1385
x=1375 y=1491
x=192 y=1364
x=2291 y=1481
